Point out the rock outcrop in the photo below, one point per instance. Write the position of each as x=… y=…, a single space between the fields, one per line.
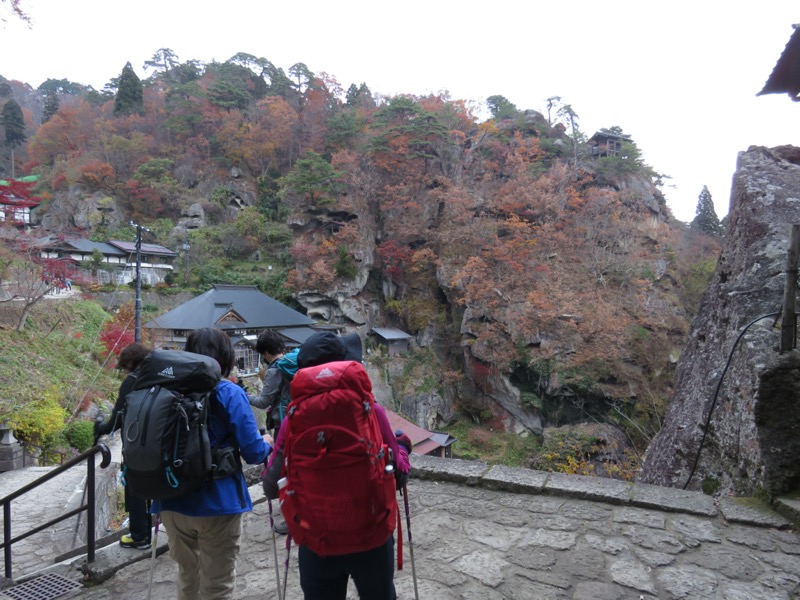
x=731 y=367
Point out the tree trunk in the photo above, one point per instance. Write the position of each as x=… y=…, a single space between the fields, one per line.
x=24 y=316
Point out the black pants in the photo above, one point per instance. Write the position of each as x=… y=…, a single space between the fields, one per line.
x=326 y=578
x=140 y=523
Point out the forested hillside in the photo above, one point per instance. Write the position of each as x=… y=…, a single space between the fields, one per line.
x=542 y=275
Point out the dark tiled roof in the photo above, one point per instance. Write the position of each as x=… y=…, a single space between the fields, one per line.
x=256 y=310
x=153 y=249
x=389 y=333
x=86 y=246
x=298 y=335
x=785 y=77
x=606 y=134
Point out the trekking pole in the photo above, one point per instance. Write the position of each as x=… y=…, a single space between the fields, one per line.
x=153 y=556
x=410 y=543
x=275 y=551
x=288 y=553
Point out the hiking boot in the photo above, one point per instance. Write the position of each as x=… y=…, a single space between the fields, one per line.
x=281 y=528
x=127 y=541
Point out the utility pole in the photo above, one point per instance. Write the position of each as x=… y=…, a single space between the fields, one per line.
x=137 y=335
x=186 y=258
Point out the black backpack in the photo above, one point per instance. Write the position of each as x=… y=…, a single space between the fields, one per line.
x=165 y=446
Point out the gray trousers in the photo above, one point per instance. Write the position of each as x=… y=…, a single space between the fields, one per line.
x=205 y=549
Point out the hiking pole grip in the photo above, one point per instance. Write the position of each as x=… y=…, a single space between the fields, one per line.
x=410 y=542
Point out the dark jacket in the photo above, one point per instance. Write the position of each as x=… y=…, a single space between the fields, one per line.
x=115 y=422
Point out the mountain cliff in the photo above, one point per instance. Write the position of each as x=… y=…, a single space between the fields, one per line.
x=540 y=272
x=732 y=423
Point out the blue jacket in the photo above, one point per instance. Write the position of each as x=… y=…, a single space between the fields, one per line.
x=231 y=421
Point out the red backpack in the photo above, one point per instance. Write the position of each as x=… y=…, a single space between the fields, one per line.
x=339 y=494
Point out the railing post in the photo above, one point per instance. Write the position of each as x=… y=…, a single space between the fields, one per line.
x=91 y=507
x=7 y=537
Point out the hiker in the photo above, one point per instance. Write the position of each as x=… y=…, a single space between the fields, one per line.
x=369 y=560
x=204 y=527
x=275 y=388
x=275 y=393
x=139 y=522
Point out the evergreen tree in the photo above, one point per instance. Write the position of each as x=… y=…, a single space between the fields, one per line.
x=51 y=106
x=501 y=108
x=14 y=125
x=706 y=219
x=351 y=98
x=130 y=93
x=312 y=180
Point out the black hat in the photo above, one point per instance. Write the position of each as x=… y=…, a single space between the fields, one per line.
x=320 y=348
x=352 y=345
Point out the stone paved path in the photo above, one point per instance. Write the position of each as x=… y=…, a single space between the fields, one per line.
x=552 y=538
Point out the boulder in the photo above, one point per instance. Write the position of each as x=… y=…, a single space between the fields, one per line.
x=732 y=422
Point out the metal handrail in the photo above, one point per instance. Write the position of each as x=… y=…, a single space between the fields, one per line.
x=89 y=507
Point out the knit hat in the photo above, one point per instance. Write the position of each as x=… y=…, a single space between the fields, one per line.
x=322 y=347
x=352 y=343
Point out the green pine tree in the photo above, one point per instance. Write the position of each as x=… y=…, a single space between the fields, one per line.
x=313 y=180
x=501 y=108
x=14 y=125
x=706 y=219
x=51 y=106
x=130 y=93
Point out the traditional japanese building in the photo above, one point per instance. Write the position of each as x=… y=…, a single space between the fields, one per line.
x=242 y=311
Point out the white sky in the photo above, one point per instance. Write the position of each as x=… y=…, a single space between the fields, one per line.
x=680 y=77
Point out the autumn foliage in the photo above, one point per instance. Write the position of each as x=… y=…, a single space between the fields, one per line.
x=503 y=240
x=118 y=331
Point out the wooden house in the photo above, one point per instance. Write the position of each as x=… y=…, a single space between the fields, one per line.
x=17 y=202
x=242 y=311
x=432 y=443
x=396 y=340
x=607 y=143
x=119 y=259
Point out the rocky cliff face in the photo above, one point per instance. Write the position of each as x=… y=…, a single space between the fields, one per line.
x=751 y=441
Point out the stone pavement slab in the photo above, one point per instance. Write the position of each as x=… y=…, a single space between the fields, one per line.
x=499 y=533
x=479 y=543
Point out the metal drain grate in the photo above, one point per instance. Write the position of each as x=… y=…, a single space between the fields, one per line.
x=45 y=587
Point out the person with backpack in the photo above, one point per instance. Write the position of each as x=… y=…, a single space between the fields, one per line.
x=204 y=526
x=336 y=467
x=139 y=522
x=275 y=391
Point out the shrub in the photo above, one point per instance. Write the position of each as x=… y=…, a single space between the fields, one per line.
x=80 y=435
x=345 y=265
x=38 y=422
x=567 y=452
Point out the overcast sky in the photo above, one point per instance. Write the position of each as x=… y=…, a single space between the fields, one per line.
x=680 y=77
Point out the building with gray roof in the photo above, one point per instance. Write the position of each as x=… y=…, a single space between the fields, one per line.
x=242 y=311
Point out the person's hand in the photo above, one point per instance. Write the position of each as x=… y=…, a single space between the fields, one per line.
x=400 y=479
x=100 y=427
x=403 y=440
x=268 y=438
x=403 y=447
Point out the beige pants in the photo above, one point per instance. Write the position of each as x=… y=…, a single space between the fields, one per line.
x=205 y=549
